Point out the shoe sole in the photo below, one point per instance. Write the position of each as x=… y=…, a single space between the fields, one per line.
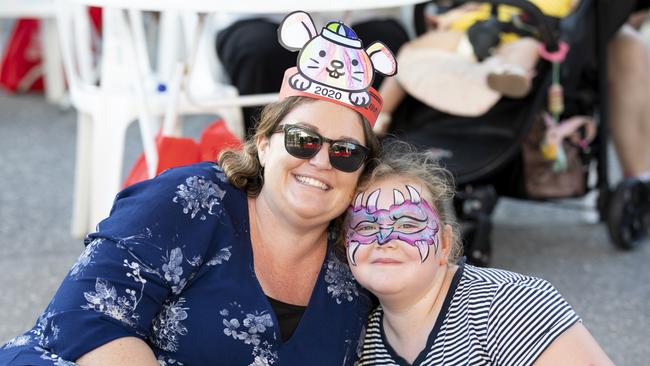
x=510 y=85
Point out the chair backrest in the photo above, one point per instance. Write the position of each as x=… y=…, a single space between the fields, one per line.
x=79 y=49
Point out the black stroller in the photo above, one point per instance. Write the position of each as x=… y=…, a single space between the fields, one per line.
x=485 y=153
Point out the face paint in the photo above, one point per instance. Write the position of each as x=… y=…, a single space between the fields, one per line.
x=412 y=221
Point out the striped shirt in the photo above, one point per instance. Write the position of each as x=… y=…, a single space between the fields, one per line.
x=489 y=317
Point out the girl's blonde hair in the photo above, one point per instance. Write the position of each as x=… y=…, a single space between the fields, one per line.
x=242 y=166
x=400 y=159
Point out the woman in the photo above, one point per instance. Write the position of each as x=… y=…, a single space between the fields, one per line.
x=228 y=264
x=402 y=245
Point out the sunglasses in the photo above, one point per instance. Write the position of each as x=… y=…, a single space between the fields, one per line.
x=303 y=143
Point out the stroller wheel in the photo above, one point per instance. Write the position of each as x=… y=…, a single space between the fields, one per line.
x=628 y=214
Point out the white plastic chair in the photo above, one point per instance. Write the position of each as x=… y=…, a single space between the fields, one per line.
x=105 y=109
x=119 y=86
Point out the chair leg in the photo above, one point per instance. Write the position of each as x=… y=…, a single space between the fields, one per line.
x=233 y=116
x=109 y=130
x=52 y=64
x=81 y=195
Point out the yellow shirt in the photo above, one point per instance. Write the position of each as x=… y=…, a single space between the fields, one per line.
x=554 y=8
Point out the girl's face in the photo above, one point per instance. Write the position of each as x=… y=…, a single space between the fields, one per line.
x=395 y=240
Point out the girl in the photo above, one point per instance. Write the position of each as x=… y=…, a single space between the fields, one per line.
x=402 y=245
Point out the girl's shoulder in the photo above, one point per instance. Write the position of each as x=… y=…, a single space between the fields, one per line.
x=496 y=277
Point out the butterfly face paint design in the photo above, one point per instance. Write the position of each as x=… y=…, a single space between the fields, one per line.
x=412 y=221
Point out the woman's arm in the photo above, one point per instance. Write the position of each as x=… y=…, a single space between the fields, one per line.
x=575 y=346
x=125 y=351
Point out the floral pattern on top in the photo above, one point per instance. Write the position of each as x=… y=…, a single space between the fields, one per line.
x=172 y=270
x=198 y=194
x=85 y=259
x=19 y=341
x=42 y=333
x=106 y=301
x=167 y=361
x=168 y=325
x=340 y=282
x=56 y=360
x=222 y=256
x=248 y=330
x=219 y=173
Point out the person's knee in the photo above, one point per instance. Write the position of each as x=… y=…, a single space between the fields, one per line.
x=628 y=56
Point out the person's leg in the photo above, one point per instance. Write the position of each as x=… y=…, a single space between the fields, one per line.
x=254 y=60
x=391 y=91
x=393 y=35
x=629 y=88
x=392 y=94
x=515 y=64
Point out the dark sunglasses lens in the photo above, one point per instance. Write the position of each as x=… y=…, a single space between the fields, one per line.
x=346 y=156
x=300 y=143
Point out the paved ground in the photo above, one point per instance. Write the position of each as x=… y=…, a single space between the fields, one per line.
x=609 y=288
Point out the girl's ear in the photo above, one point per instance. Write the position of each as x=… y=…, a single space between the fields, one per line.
x=262 y=143
x=446 y=236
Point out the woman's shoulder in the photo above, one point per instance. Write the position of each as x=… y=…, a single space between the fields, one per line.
x=206 y=175
x=187 y=204
x=198 y=190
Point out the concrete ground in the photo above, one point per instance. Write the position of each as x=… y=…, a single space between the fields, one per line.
x=609 y=288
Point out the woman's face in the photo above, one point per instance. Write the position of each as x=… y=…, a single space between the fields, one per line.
x=395 y=240
x=310 y=190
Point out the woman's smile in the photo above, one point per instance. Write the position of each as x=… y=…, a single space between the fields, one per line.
x=312 y=182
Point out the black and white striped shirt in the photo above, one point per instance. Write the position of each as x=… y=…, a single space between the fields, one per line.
x=489 y=317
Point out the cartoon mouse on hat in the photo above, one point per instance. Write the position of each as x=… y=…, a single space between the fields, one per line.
x=333 y=63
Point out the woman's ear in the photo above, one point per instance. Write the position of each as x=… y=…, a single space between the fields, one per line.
x=262 y=149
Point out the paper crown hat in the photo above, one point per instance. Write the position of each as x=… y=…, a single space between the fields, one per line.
x=333 y=65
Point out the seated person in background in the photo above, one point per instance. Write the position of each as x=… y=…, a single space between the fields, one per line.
x=402 y=245
x=465 y=87
x=441 y=67
x=255 y=62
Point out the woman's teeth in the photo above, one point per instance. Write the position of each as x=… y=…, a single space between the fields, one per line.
x=312 y=182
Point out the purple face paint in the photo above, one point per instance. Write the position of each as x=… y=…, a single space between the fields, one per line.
x=412 y=221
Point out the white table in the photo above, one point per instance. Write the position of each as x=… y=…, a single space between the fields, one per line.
x=250 y=6
x=52 y=67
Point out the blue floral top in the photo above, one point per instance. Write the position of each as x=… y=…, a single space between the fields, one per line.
x=173 y=265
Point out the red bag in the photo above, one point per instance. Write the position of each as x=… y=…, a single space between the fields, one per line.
x=215 y=138
x=21 y=68
x=179 y=151
x=172 y=152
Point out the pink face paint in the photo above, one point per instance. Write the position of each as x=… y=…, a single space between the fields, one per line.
x=412 y=221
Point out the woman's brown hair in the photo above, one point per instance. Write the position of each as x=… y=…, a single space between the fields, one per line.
x=242 y=166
